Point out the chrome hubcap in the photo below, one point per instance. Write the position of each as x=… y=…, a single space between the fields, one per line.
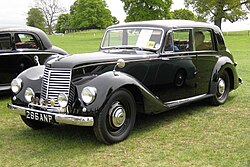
x=221 y=86
x=117 y=115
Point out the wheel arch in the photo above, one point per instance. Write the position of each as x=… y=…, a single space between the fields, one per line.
x=231 y=77
x=138 y=97
x=223 y=64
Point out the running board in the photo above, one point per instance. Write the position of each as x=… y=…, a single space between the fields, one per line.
x=176 y=103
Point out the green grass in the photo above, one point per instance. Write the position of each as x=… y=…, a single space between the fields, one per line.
x=194 y=135
x=85 y=41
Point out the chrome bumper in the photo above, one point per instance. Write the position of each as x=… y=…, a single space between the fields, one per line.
x=240 y=81
x=59 y=118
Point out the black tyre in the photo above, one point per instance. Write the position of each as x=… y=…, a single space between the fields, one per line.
x=222 y=89
x=35 y=124
x=114 y=123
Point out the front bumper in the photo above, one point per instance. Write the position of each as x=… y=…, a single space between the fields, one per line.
x=59 y=118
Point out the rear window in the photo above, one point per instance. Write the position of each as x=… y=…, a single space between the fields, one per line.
x=5 y=42
x=220 y=41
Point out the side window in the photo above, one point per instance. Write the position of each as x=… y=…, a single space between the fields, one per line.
x=203 y=40
x=179 y=41
x=169 y=43
x=25 y=41
x=5 y=41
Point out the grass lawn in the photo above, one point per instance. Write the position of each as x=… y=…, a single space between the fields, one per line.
x=194 y=135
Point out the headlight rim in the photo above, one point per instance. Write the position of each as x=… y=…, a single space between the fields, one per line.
x=18 y=83
x=91 y=92
x=60 y=102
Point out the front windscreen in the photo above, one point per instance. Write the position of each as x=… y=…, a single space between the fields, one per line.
x=133 y=37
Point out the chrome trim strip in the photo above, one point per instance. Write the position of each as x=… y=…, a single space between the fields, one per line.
x=187 y=100
x=59 y=118
x=25 y=52
x=2 y=88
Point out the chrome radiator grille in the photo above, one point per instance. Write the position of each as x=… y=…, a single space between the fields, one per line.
x=55 y=81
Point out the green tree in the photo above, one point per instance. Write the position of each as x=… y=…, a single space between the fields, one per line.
x=86 y=14
x=115 y=20
x=184 y=14
x=217 y=10
x=138 y=10
x=51 y=9
x=63 y=23
x=35 y=18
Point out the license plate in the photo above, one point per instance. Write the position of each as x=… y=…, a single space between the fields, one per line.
x=40 y=117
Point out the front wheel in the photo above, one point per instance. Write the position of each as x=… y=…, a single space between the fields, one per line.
x=35 y=124
x=222 y=89
x=114 y=123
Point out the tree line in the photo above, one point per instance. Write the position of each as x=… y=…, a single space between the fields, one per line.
x=84 y=14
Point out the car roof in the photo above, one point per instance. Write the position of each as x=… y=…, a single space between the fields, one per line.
x=42 y=35
x=167 y=24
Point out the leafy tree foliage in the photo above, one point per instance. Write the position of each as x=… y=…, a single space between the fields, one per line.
x=35 y=18
x=115 y=20
x=51 y=9
x=86 y=14
x=63 y=23
x=217 y=10
x=184 y=14
x=138 y=10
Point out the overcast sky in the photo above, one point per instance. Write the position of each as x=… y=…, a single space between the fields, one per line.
x=14 y=12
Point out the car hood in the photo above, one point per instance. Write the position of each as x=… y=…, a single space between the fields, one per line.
x=77 y=60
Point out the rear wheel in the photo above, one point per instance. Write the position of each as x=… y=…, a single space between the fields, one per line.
x=35 y=124
x=114 y=123
x=222 y=89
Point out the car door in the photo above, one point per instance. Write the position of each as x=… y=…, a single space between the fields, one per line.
x=207 y=57
x=6 y=49
x=176 y=76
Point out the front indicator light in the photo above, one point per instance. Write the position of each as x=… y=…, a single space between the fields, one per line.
x=88 y=94
x=29 y=94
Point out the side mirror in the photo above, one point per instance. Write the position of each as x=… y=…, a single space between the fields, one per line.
x=120 y=63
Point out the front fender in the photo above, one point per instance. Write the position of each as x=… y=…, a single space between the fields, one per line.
x=108 y=83
x=32 y=78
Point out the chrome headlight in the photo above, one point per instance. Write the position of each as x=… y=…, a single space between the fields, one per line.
x=62 y=100
x=88 y=94
x=29 y=94
x=16 y=85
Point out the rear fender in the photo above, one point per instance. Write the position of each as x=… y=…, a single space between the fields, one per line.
x=223 y=64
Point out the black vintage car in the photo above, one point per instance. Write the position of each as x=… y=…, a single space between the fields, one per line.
x=146 y=67
x=18 y=47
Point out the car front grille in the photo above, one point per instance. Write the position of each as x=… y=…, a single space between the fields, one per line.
x=55 y=81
